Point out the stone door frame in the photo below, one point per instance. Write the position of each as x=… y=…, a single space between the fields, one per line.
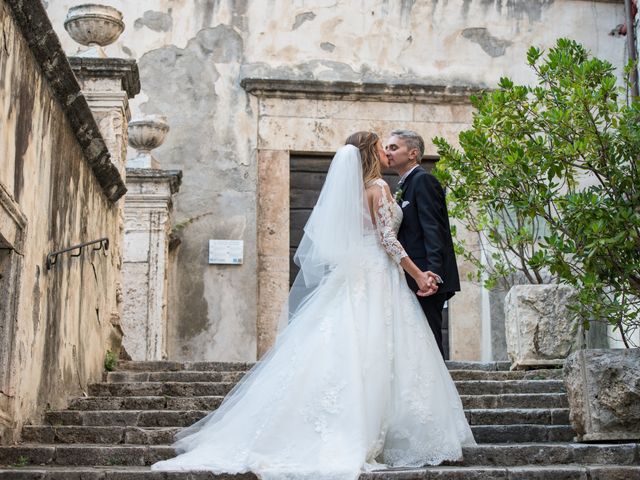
x=314 y=117
x=13 y=226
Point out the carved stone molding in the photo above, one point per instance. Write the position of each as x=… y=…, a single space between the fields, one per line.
x=371 y=91
x=123 y=70
x=13 y=226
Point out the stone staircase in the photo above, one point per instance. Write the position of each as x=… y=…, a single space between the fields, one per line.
x=520 y=420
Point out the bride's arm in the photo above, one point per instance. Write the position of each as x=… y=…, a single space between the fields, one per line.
x=381 y=205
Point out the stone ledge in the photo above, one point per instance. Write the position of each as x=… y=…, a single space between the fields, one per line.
x=125 y=69
x=372 y=91
x=34 y=24
x=157 y=175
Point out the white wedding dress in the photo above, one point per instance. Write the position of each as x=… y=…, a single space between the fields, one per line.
x=355 y=382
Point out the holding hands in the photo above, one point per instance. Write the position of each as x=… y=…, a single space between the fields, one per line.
x=427 y=283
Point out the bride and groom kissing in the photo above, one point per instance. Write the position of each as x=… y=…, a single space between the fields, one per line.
x=356 y=380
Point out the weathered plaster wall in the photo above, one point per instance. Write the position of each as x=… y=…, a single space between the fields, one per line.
x=193 y=54
x=63 y=320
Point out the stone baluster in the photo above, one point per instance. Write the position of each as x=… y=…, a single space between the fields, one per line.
x=148 y=211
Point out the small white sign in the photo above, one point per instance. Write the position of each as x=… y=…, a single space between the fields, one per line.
x=226 y=252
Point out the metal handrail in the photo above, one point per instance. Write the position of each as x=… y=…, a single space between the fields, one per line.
x=52 y=258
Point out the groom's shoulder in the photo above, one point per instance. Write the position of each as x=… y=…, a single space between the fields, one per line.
x=427 y=180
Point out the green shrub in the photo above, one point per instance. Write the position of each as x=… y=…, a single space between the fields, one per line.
x=547 y=177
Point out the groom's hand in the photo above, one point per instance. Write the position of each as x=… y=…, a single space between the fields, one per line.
x=427 y=284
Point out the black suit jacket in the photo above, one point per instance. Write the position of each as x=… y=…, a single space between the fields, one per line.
x=425 y=232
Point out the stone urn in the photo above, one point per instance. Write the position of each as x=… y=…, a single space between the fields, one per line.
x=540 y=329
x=94 y=26
x=603 y=389
x=145 y=134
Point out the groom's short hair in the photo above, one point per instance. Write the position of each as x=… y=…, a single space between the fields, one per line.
x=412 y=140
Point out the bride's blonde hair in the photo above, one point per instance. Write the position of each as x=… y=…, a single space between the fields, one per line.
x=366 y=143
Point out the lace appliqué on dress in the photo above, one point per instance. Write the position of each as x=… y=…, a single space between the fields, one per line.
x=388 y=217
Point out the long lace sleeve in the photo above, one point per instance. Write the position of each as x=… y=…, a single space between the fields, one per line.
x=383 y=213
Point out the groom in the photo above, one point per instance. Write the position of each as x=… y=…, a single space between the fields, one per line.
x=424 y=233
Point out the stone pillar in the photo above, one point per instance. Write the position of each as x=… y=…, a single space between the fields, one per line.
x=273 y=243
x=148 y=211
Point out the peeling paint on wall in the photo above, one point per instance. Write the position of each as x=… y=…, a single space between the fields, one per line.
x=494 y=46
x=327 y=46
x=301 y=18
x=156 y=21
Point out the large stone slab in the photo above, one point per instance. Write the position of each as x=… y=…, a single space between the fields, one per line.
x=603 y=388
x=540 y=329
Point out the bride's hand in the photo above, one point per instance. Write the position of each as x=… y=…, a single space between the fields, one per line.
x=424 y=293
x=427 y=284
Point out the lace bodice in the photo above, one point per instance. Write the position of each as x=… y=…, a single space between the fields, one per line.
x=388 y=217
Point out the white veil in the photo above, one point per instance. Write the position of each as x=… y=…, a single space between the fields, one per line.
x=334 y=233
x=332 y=243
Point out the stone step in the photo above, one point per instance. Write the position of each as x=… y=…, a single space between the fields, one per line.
x=147 y=403
x=183 y=418
x=180 y=376
x=154 y=366
x=516 y=400
x=563 y=472
x=167 y=366
x=230 y=377
x=491 y=455
x=70 y=434
x=522 y=433
x=465 y=387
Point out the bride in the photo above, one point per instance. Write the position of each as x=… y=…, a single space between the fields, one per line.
x=355 y=380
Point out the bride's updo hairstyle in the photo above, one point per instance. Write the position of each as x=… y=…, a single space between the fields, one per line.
x=366 y=143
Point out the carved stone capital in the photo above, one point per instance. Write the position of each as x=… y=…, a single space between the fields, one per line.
x=100 y=74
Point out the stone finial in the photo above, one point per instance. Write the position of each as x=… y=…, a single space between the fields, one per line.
x=94 y=26
x=145 y=134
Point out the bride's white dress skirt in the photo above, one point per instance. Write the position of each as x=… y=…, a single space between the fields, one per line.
x=356 y=380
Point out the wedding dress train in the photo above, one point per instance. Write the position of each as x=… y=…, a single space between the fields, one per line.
x=354 y=382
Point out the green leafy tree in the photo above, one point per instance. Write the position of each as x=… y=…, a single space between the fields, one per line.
x=547 y=176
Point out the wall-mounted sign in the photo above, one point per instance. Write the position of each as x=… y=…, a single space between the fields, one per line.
x=226 y=252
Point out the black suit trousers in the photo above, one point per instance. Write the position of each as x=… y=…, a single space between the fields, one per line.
x=432 y=307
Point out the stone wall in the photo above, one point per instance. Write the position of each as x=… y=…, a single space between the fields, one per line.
x=193 y=56
x=58 y=188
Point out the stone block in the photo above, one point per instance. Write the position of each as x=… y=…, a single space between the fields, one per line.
x=443 y=113
x=31 y=455
x=147 y=436
x=600 y=472
x=194 y=403
x=100 y=455
x=363 y=110
x=95 y=434
x=156 y=453
x=136 y=247
x=540 y=329
x=572 y=472
x=288 y=107
x=603 y=388
x=615 y=454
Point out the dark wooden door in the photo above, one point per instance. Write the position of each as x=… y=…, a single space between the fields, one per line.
x=307 y=174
